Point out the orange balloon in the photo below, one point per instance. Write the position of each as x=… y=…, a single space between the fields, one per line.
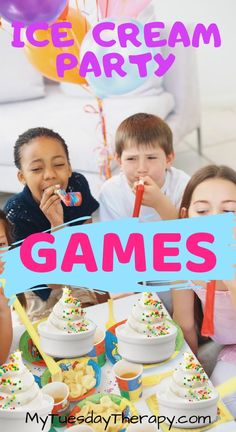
x=44 y=59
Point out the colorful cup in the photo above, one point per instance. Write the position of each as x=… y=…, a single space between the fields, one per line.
x=98 y=353
x=129 y=379
x=59 y=391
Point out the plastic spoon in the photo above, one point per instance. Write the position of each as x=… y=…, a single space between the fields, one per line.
x=111 y=320
x=227 y=387
x=54 y=369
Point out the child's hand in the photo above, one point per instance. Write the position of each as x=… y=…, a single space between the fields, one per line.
x=151 y=192
x=155 y=198
x=51 y=206
x=3 y=300
x=1 y=266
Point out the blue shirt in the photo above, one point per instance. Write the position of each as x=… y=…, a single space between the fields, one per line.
x=24 y=212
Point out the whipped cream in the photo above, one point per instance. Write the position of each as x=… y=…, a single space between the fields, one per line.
x=18 y=390
x=190 y=382
x=148 y=317
x=67 y=314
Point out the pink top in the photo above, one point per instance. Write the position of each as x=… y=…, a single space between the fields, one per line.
x=224 y=316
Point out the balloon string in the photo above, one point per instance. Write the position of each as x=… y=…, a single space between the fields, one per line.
x=78 y=11
x=97 y=10
x=106 y=9
x=106 y=164
x=106 y=158
x=102 y=118
x=85 y=21
x=121 y=14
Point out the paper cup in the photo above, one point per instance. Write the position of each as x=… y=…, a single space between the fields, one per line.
x=59 y=391
x=129 y=379
x=98 y=353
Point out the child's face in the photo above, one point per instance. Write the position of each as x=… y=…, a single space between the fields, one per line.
x=145 y=161
x=3 y=237
x=43 y=164
x=213 y=196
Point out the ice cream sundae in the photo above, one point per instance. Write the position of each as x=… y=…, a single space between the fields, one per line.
x=67 y=314
x=20 y=394
x=188 y=392
x=66 y=325
x=147 y=325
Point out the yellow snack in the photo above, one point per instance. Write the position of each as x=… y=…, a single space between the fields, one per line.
x=105 y=408
x=79 y=378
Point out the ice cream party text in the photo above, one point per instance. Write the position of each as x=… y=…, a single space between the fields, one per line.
x=113 y=47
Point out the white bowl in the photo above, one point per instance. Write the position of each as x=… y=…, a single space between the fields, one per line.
x=204 y=410
x=15 y=420
x=59 y=344
x=143 y=349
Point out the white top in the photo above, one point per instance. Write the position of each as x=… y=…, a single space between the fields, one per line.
x=117 y=199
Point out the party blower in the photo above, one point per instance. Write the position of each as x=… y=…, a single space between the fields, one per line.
x=138 y=198
x=208 y=319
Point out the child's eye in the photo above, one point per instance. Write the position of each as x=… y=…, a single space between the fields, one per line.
x=131 y=159
x=35 y=169
x=201 y=212
x=60 y=165
x=152 y=157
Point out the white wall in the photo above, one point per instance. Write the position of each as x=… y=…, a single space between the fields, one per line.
x=217 y=66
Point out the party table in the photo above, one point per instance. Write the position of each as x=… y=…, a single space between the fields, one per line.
x=122 y=308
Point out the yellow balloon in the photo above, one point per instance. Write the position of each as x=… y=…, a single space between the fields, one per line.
x=44 y=59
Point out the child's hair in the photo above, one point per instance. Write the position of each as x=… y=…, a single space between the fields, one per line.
x=206 y=173
x=144 y=129
x=8 y=230
x=7 y=226
x=203 y=174
x=31 y=134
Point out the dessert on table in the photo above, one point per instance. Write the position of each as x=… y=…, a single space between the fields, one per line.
x=189 y=393
x=148 y=336
x=19 y=395
x=67 y=332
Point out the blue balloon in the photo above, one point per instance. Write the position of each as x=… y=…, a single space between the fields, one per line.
x=104 y=86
